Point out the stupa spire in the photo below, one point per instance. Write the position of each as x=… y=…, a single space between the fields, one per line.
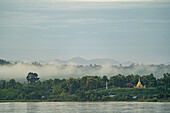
x=106 y=85
x=139 y=85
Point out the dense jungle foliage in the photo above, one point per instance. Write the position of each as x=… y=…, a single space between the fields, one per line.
x=87 y=88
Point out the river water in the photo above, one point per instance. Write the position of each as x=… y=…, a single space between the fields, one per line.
x=84 y=107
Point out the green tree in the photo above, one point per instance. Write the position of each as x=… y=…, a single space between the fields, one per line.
x=149 y=80
x=22 y=96
x=83 y=83
x=130 y=79
x=91 y=82
x=34 y=95
x=2 y=84
x=63 y=95
x=118 y=80
x=81 y=96
x=56 y=90
x=32 y=77
x=105 y=78
x=11 y=83
x=166 y=80
x=72 y=85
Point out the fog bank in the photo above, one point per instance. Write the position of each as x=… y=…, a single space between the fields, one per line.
x=19 y=71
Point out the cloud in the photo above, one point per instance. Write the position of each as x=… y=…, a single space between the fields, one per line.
x=156 y=21
x=47 y=27
x=88 y=20
x=33 y=26
x=57 y=36
x=20 y=18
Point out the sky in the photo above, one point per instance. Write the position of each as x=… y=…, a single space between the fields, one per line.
x=124 y=30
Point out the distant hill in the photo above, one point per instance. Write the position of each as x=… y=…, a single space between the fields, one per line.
x=99 y=61
x=82 y=61
x=78 y=60
x=127 y=63
x=74 y=61
x=103 y=61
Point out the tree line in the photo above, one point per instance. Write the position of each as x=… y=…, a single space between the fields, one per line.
x=87 y=88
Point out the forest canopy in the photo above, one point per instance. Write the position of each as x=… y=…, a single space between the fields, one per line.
x=87 y=88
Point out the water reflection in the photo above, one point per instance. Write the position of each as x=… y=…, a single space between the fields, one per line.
x=84 y=107
x=139 y=107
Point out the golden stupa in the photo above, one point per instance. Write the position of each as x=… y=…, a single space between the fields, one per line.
x=139 y=85
x=106 y=85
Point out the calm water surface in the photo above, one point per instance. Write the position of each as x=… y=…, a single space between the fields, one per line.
x=84 y=107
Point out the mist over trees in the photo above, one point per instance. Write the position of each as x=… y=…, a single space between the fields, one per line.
x=50 y=71
x=4 y=62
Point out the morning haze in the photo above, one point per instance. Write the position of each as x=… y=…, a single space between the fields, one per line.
x=128 y=30
x=94 y=56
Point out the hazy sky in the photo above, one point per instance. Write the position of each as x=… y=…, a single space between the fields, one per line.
x=135 y=30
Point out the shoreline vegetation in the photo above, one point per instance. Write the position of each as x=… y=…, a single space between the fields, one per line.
x=151 y=100
x=117 y=88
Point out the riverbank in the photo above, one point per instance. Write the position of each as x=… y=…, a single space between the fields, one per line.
x=148 y=100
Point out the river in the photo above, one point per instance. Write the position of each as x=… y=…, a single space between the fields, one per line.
x=84 y=107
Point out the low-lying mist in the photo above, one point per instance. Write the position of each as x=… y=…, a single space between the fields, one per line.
x=19 y=71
